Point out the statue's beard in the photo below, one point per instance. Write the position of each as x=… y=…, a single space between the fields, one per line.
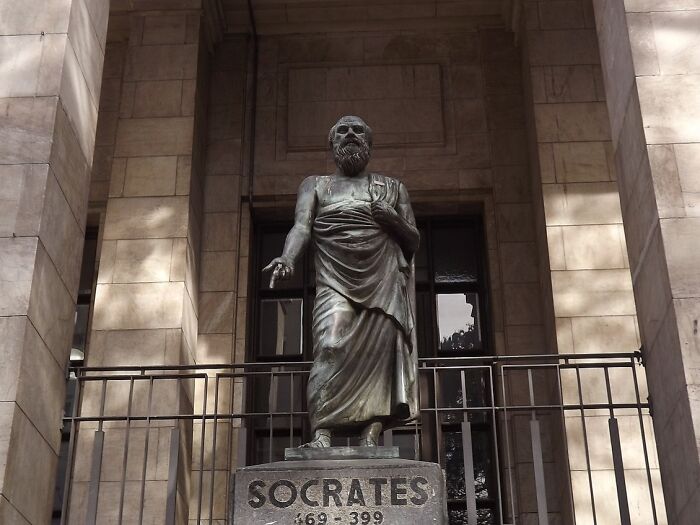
x=351 y=161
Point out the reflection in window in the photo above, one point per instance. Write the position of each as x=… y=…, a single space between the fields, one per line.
x=454 y=255
x=458 y=322
x=281 y=323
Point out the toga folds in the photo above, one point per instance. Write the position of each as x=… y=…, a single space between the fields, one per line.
x=365 y=356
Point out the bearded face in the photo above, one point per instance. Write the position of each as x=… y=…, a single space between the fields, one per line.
x=351 y=142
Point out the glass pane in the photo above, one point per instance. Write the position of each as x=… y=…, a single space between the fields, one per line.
x=454 y=254
x=279 y=443
x=406 y=441
x=82 y=312
x=458 y=322
x=458 y=516
x=424 y=323
x=422 y=258
x=272 y=245
x=476 y=381
x=454 y=461
x=87 y=269
x=280 y=327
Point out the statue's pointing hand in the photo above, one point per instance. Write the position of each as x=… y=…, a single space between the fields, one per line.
x=281 y=270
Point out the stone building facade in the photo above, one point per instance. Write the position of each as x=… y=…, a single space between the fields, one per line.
x=169 y=137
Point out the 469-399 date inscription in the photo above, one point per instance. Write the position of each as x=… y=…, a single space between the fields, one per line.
x=354 y=518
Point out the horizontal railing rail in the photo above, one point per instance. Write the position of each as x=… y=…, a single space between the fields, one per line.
x=502 y=427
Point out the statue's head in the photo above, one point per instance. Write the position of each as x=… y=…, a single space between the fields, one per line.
x=350 y=140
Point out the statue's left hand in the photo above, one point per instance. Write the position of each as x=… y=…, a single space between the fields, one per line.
x=383 y=213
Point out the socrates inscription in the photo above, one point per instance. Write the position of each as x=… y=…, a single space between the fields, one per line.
x=364 y=492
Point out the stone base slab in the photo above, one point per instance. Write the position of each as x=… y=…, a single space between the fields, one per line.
x=339 y=492
x=300 y=454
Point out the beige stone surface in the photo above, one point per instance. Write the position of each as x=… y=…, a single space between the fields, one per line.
x=17 y=261
x=218 y=271
x=47 y=17
x=577 y=204
x=146 y=217
x=32 y=64
x=676 y=41
x=150 y=176
x=592 y=247
x=24 y=459
x=142 y=260
x=589 y=293
x=87 y=44
x=161 y=62
x=26 y=129
x=22 y=198
x=670 y=108
x=158 y=99
x=77 y=101
x=138 y=305
x=154 y=136
x=681 y=240
x=572 y=122
x=583 y=161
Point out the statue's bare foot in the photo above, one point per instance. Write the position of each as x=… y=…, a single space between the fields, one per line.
x=322 y=439
x=370 y=435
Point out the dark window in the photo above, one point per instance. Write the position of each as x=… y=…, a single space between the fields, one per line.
x=452 y=301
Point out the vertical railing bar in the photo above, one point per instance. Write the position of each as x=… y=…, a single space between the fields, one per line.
x=644 y=441
x=585 y=442
x=291 y=410
x=438 y=428
x=201 y=448
x=618 y=464
x=468 y=455
x=69 y=460
x=273 y=388
x=564 y=433
x=145 y=452
x=508 y=446
x=494 y=422
x=538 y=467
x=95 y=473
x=213 y=449
x=174 y=458
x=125 y=456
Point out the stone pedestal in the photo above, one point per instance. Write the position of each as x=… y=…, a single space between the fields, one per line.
x=340 y=491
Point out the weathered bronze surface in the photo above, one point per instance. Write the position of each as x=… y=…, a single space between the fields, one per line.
x=364 y=376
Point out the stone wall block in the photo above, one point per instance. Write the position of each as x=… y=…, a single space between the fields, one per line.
x=675 y=39
x=47 y=17
x=80 y=106
x=146 y=218
x=216 y=312
x=643 y=44
x=592 y=247
x=154 y=136
x=88 y=47
x=26 y=129
x=159 y=99
x=562 y=47
x=591 y=293
x=51 y=307
x=138 y=305
x=142 y=260
x=584 y=203
x=150 y=176
x=61 y=235
x=17 y=258
x=22 y=198
x=26 y=456
x=670 y=108
x=161 y=62
x=572 y=122
x=32 y=64
x=681 y=239
x=70 y=166
x=582 y=162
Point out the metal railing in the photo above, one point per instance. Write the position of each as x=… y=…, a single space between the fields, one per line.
x=521 y=438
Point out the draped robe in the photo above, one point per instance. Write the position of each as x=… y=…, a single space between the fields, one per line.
x=368 y=371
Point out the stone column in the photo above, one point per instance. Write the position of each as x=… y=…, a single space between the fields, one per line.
x=651 y=69
x=584 y=242
x=146 y=299
x=52 y=52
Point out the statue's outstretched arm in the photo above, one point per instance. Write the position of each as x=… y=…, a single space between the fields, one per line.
x=298 y=237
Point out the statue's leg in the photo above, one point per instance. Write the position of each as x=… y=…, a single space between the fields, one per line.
x=322 y=439
x=370 y=435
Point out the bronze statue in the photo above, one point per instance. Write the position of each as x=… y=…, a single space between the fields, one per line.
x=364 y=375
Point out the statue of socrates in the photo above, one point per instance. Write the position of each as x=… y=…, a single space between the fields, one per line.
x=364 y=376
